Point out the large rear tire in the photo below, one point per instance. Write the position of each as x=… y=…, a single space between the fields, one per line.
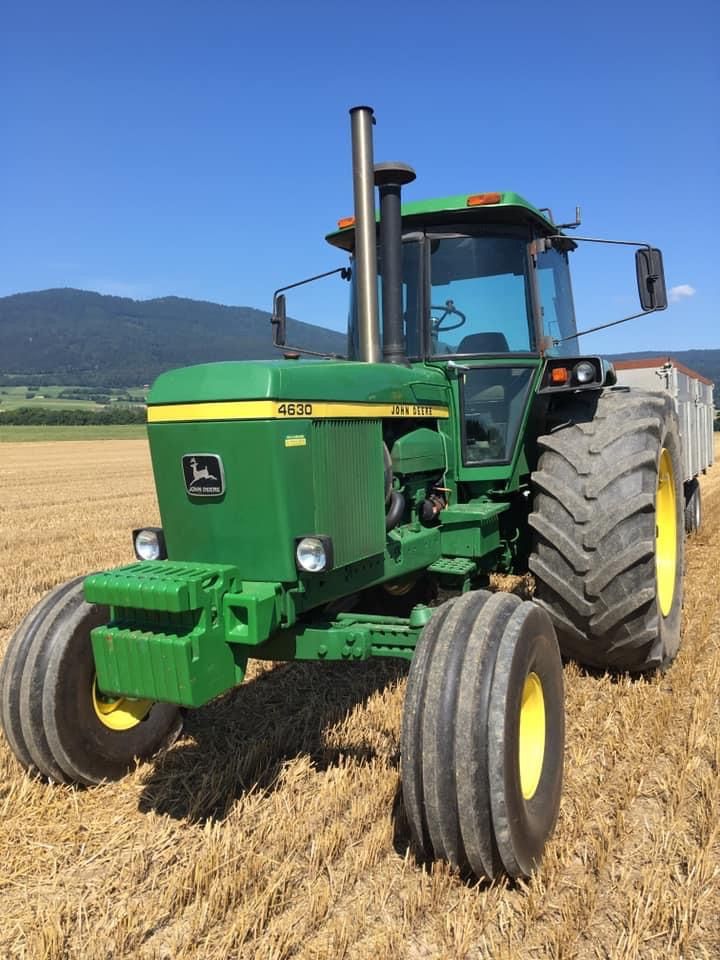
x=57 y=722
x=608 y=524
x=483 y=734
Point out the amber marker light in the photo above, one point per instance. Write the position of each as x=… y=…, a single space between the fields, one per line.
x=559 y=375
x=346 y=222
x=481 y=199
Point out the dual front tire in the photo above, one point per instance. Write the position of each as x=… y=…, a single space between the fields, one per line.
x=58 y=724
x=483 y=735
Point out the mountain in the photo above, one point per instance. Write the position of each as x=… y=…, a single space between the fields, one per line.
x=78 y=337
x=706 y=362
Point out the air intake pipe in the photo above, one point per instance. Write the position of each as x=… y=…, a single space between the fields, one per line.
x=390 y=179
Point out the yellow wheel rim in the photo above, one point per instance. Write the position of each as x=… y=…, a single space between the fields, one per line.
x=531 y=746
x=120 y=714
x=665 y=534
x=400 y=588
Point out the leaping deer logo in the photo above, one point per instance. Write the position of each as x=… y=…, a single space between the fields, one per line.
x=202 y=474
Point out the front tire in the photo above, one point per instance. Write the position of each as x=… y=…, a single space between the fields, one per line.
x=56 y=721
x=483 y=734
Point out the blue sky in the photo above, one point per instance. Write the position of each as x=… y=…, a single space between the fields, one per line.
x=202 y=150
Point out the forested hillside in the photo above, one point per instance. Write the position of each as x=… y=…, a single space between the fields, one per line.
x=79 y=337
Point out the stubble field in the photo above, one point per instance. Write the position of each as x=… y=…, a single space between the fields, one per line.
x=267 y=831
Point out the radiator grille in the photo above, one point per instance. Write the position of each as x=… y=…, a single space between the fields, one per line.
x=349 y=487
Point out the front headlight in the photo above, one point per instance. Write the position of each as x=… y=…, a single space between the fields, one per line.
x=314 y=554
x=585 y=372
x=149 y=544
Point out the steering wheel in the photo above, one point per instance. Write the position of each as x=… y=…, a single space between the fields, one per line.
x=448 y=309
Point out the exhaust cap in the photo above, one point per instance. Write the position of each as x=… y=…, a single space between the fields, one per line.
x=394 y=173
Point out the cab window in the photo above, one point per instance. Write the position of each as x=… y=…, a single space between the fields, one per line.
x=493 y=402
x=556 y=302
x=479 y=299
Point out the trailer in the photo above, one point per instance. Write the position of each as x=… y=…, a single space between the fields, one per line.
x=692 y=395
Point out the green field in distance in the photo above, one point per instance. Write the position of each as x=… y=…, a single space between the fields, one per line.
x=50 y=396
x=109 y=432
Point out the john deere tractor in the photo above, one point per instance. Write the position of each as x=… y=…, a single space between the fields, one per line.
x=319 y=508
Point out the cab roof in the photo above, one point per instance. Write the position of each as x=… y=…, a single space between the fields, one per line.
x=497 y=207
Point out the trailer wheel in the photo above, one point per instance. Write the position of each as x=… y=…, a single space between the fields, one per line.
x=693 y=506
x=608 y=548
x=483 y=734
x=57 y=722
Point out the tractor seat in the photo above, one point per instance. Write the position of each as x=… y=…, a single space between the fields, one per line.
x=493 y=342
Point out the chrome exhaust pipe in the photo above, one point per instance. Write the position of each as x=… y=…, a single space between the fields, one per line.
x=361 y=122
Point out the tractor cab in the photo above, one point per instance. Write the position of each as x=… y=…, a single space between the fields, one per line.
x=481 y=291
x=474 y=281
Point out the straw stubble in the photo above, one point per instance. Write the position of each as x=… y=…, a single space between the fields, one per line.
x=267 y=831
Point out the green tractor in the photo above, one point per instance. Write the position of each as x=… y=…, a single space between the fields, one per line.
x=318 y=508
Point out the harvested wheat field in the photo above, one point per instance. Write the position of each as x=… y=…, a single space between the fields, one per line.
x=267 y=831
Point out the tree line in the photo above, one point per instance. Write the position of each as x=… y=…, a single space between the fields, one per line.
x=48 y=417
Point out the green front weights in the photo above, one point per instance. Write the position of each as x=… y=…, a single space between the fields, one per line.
x=182 y=633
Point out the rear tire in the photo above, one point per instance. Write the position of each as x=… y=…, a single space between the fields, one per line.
x=608 y=548
x=55 y=719
x=483 y=734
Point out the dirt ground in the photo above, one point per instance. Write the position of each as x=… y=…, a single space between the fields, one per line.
x=267 y=831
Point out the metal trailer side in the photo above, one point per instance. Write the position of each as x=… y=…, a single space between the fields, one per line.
x=693 y=397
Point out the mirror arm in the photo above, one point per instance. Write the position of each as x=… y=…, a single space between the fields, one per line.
x=653 y=278
x=623 y=243
x=604 y=326
x=278 y=313
x=345 y=272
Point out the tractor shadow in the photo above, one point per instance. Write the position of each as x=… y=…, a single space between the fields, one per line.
x=241 y=742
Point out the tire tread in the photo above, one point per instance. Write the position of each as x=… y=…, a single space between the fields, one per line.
x=593 y=525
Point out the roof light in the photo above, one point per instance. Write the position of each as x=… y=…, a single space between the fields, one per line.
x=346 y=222
x=482 y=199
x=559 y=375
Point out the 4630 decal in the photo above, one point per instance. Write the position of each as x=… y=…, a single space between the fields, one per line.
x=295 y=410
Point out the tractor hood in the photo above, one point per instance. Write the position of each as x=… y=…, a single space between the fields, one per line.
x=293 y=380
x=250 y=457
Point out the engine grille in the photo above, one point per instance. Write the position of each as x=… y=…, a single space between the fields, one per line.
x=349 y=487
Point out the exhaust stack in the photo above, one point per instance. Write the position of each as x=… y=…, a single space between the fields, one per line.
x=361 y=121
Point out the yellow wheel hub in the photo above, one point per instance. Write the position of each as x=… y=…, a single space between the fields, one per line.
x=120 y=714
x=665 y=534
x=531 y=746
x=400 y=588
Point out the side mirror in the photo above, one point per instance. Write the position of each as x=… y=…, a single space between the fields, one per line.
x=278 y=320
x=650 y=278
